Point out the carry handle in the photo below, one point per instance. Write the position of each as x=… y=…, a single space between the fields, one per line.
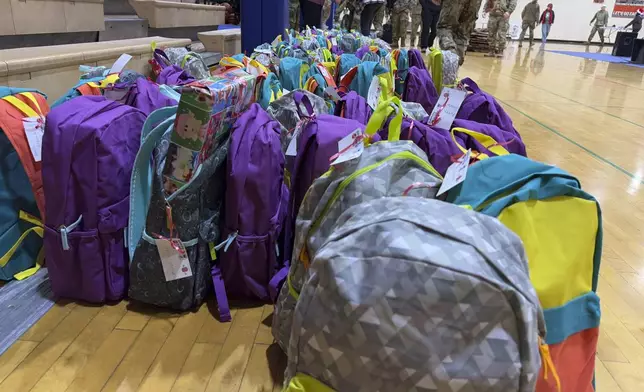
x=487 y=141
x=27 y=110
x=301 y=98
x=470 y=84
x=382 y=113
x=161 y=58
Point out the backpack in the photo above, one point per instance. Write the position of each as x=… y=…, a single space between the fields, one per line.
x=419 y=88
x=86 y=87
x=543 y=205
x=399 y=66
x=256 y=203
x=193 y=211
x=292 y=73
x=344 y=63
x=416 y=59
x=481 y=107
x=192 y=62
x=359 y=78
x=317 y=137
x=143 y=95
x=173 y=75
x=353 y=107
x=270 y=89
x=88 y=151
x=413 y=294
x=486 y=139
x=383 y=169
x=22 y=200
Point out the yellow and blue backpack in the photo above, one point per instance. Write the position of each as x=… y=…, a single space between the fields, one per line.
x=561 y=229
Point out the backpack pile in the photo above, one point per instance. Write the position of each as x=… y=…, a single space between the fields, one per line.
x=313 y=174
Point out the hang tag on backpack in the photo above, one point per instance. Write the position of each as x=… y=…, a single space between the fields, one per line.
x=34 y=131
x=120 y=63
x=349 y=147
x=455 y=174
x=374 y=93
x=334 y=42
x=174 y=259
x=446 y=108
x=330 y=91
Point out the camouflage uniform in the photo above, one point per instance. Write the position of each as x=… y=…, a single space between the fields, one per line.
x=294 y=14
x=416 y=23
x=326 y=12
x=455 y=25
x=498 y=25
x=400 y=21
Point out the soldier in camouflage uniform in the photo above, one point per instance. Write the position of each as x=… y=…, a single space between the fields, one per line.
x=400 y=21
x=379 y=19
x=326 y=12
x=294 y=14
x=498 y=24
x=455 y=25
x=416 y=23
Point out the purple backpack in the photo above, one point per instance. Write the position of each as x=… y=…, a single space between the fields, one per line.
x=317 y=142
x=481 y=107
x=173 y=75
x=143 y=95
x=88 y=152
x=420 y=88
x=416 y=59
x=256 y=202
x=354 y=107
x=510 y=141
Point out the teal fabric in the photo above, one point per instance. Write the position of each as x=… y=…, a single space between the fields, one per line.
x=577 y=315
x=5 y=91
x=159 y=123
x=290 y=73
x=401 y=74
x=347 y=61
x=270 y=85
x=496 y=183
x=362 y=81
x=16 y=194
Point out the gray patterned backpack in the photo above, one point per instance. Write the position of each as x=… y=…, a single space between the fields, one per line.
x=412 y=294
x=195 y=210
x=386 y=168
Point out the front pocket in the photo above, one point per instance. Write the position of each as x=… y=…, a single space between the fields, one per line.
x=248 y=265
x=78 y=272
x=116 y=264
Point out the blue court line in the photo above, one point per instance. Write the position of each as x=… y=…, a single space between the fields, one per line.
x=561 y=135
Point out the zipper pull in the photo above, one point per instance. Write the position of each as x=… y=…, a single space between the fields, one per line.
x=226 y=243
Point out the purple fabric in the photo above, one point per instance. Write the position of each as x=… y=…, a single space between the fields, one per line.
x=482 y=107
x=354 y=107
x=88 y=152
x=174 y=75
x=420 y=88
x=416 y=59
x=361 y=52
x=146 y=96
x=316 y=144
x=256 y=205
x=435 y=142
x=510 y=141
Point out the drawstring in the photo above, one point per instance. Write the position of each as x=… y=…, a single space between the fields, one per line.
x=226 y=243
x=544 y=350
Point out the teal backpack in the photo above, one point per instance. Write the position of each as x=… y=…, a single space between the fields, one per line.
x=20 y=181
x=270 y=90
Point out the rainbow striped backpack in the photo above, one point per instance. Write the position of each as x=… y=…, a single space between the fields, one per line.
x=561 y=229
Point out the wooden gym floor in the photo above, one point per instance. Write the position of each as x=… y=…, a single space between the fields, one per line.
x=581 y=115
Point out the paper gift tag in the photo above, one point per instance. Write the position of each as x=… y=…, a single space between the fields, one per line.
x=174 y=259
x=34 y=131
x=334 y=42
x=291 y=150
x=455 y=174
x=374 y=93
x=448 y=104
x=120 y=63
x=330 y=91
x=349 y=147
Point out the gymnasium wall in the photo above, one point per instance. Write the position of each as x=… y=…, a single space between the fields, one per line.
x=572 y=18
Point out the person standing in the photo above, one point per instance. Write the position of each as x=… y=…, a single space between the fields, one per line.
x=637 y=21
x=400 y=22
x=416 y=22
x=530 y=18
x=430 y=14
x=600 y=22
x=379 y=19
x=326 y=13
x=294 y=14
x=547 y=20
x=369 y=10
x=498 y=25
x=455 y=25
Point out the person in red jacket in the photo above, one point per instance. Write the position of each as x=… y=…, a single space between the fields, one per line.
x=547 y=20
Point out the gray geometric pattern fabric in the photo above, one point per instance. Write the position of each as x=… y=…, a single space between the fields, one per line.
x=412 y=294
x=389 y=178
